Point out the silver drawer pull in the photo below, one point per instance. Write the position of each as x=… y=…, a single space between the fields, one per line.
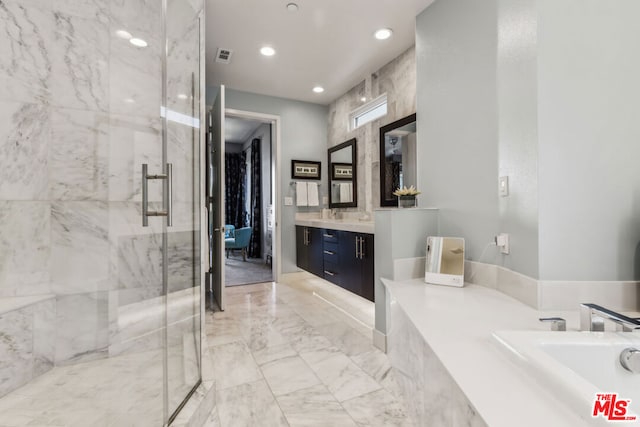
x=329 y=252
x=329 y=273
x=330 y=236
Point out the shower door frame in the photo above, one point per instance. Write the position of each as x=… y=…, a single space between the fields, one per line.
x=198 y=206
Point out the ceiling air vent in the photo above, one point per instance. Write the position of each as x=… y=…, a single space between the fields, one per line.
x=224 y=55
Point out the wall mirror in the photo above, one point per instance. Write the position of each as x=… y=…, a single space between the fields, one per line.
x=397 y=158
x=343 y=182
x=445 y=261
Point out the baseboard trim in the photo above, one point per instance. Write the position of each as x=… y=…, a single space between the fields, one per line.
x=379 y=340
x=556 y=294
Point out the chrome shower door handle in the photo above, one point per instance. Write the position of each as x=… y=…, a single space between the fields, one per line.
x=167 y=194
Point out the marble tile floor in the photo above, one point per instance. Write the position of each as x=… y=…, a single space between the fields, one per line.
x=238 y=272
x=295 y=353
x=298 y=353
x=120 y=391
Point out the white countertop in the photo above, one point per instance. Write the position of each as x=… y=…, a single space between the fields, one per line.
x=457 y=323
x=353 y=225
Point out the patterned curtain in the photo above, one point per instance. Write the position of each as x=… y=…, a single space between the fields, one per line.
x=255 y=246
x=392 y=178
x=235 y=170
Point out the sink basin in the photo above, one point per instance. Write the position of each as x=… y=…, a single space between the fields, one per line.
x=575 y=366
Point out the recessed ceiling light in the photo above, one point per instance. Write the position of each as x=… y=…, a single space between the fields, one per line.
x=182 y=96
x=318 y=89
x=267 y=51
x=124 y=34
x=383 y=33
x=363 y=99
x=138 y=42
x=292 y=7
x=130 y=100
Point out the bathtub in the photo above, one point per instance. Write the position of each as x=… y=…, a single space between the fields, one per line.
x=576 y=366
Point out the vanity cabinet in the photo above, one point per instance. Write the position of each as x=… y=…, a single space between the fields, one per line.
x=356 y=263
x=343 y=258
x=309 y=249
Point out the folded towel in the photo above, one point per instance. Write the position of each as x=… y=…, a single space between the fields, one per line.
x=346 y=192
x=301 y=193
x=312 y=194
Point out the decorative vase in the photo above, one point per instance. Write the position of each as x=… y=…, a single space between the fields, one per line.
x=406 y=201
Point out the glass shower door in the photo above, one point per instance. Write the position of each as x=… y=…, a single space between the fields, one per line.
x=182 y=275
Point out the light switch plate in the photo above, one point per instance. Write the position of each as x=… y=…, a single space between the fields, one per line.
x=325 y=200
x=288 y=201
x=503 y=186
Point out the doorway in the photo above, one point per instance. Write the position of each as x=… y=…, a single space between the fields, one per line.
x=249 y=212
x=260 y=205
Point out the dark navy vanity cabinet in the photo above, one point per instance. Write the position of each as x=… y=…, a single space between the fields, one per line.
x=341 y=257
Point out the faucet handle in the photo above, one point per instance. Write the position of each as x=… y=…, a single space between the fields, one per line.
x=557 y=323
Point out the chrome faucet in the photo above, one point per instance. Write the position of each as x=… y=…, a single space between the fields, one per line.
x=592 y=317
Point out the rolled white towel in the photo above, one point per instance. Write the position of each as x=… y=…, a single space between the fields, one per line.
x=312 y=194
x=301 y=194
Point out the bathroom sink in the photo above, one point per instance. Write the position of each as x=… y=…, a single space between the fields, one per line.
x=576 y=366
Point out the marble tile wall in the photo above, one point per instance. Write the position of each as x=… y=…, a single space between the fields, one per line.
x=398 y=80
x=27 y=343
x=433 y=397
x=79 y=114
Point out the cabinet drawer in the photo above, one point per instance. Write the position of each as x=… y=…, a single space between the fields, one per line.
x=331 y=272
x=330 y=252
x=330 y=236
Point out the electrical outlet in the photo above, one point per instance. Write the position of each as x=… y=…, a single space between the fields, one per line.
x=288 y=201
x=502 y=241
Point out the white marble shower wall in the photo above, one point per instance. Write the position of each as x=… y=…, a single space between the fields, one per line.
x=398 y=80
x=79 y=114
x=27 y=344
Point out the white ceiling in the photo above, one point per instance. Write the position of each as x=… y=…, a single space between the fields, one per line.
x=326 y=42
x=237 y=130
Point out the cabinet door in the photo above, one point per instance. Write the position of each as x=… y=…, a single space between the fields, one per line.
x=302 y=258
x=315 y=255
x=367 y=263
x=350 y=265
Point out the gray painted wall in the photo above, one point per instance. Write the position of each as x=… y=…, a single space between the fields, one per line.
x=589 y=63
x=457 y=118
x=536 y=91
x=303 y=136
x=518 y=133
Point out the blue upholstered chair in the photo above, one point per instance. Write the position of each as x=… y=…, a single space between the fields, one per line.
x=229 y=231
x=240 y=240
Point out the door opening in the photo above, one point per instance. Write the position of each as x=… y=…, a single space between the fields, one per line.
x=249 y=174
x=244 y=182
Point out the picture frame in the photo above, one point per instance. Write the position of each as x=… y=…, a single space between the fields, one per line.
x=341 y=171
x=305 y=169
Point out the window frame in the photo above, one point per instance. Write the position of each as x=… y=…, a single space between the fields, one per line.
x=367 y=108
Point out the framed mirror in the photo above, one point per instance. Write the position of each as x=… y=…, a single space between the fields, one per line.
x=397 y=158
x=343 y=176
x=445 y=261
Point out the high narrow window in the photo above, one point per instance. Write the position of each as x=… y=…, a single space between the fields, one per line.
x=368 y=112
